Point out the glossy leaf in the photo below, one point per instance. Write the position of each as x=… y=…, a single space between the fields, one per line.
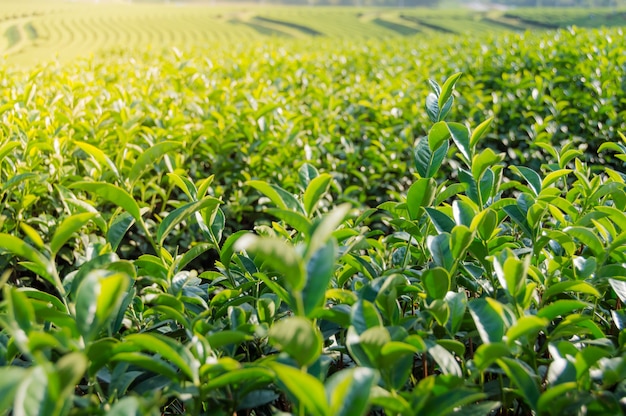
x=317 y=187
x=113 y=194
x=68 y=227
x=297 y=337
x=348 y=391
x=149 y=157
x=181 y=214
x=277 y=254
x=303 y=387
x=420 y=194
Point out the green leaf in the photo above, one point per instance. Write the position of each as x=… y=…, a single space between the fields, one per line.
x=457 y=304
x=619 y=286
x=8 y=148
x=570 y=286
x=511 y=271
x=487 y=186
x=67 y=227
x=19 y=248
x=113 y=194
x=436 y=282
x=147 y=362
x=97 y=298
x=10 y=379
x=70 y=369
x=480 y=131
x=294 y=219
x=560 y=307
x=317 y=187
x=348 y=391
x=305 y=388
x=118 y=229
x=532 y=177
x=441 y=221
x=169 y=349
x=278 y=255
x=420 y=194
x=440 y=311
x=279 y=197
x=306 y=174
x=427 y=163
x=99 y=156
x=371 y=342
x=33 y=397
x=552 y=177
x=554 y=396
x=439 y=247
x=463 y=212
x=364 y=316
x=181 y=214
x=452 y=401
x=20 y=309
x=324 y=229
x=526 y=326
x=228 y=248
x=447 y=88
x=395 y=363
x=127 y=406
x=485 y=223
x=471 y=187
x=437 y=135
x=484 y=160
x=190 y=255
x=522 y=378
x=150 y=157
x=487 y=354
x=432 y=107
x=445 y=360
x=460 y=240
x=489 y=323
x=227 y=337
x=297 y=337
x=519 y=218
x=320 y=269
x=460 y=136
x=587 y=237
x=185 y=185
x=33 y=235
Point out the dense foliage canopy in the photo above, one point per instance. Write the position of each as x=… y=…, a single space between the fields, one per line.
x=317 y=227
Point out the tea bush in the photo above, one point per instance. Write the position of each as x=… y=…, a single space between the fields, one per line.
x=195 y=236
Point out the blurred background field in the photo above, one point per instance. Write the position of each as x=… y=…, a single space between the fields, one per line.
x=35 y=31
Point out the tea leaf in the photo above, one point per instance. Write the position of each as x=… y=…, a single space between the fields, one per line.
x=297 y=337
x=303 y=387
x=436 y=282
x=19 y=248
x=68 y=227
x=447 y=88
x=348 y=391
x=113 y=194
x=149 y=157
x=181 y=214
x=522 y=378
x=421 y=194
x=277 y=254
x=319 y=271
x=315 y=189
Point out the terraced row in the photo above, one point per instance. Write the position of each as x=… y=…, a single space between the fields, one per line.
x=35 y=32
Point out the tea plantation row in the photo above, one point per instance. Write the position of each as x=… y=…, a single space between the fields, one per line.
x=36 y=30
x=316 y=228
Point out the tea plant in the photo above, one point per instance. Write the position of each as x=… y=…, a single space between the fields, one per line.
x=497 y=289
